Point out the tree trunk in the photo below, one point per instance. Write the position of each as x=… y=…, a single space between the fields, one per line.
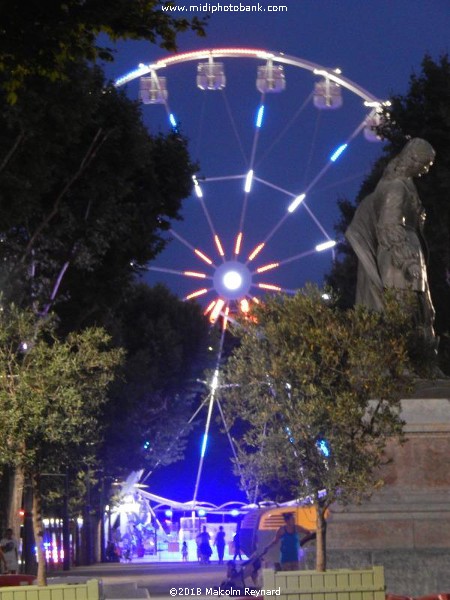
x=66 y=525
x=29 y=563
x=321 y=548
x=38 y=530
x=15 y=484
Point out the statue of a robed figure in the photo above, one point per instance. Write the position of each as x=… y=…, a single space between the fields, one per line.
x=386 y=234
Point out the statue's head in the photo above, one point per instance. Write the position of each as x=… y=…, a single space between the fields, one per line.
x=416 y=158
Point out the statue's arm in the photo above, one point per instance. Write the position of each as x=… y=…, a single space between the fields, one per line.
x=391 y=231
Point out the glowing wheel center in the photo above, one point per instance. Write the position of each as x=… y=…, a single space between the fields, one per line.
x=232 y=280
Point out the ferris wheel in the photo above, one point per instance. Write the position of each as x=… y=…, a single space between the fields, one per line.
x=232 y=260
x=270 y=132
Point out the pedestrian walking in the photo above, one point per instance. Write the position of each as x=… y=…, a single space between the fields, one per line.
x=219 y=543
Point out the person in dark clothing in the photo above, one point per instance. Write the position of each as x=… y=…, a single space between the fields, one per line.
x=237 y=547
x=205 y=548
x=220 y=544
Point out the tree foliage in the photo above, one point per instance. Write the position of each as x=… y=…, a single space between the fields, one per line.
x=86 y=195
x=316 y=392
x=45 y=39
x=165 y=342
x=424 y=111
x=51 y=392
x=86 y=198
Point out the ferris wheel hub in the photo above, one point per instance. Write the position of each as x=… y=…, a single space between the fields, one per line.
x=232 y=280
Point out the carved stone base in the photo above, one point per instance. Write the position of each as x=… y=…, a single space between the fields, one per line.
x=410 y=515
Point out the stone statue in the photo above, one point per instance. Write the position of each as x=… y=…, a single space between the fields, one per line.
x=386 y=235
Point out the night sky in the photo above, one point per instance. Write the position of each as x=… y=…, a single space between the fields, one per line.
x=377 y=44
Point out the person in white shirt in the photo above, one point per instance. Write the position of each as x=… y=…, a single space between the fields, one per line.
x=9 y=547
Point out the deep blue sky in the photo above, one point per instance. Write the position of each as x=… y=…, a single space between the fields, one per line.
x=376 y=43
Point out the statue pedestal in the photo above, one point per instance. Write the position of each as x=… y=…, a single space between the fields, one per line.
x=406 y=524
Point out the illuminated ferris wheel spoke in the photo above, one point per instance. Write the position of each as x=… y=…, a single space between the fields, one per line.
x=312 y=147
x=258 y=124
x=295 y=203
x=197 y=293
x=300 y=199
x=197 y=187
x=175 y=441
x=330 y=186
x=217 y=310
x=219 y=246
x=209 y=308
x=199 y=135
x=234 y=127
x=181 y=239
x=238 y=244
x=203 y=257
x=275 y=288
x=315 y=219
x=250 y=174
x=286 y=128
x=269 y=286
x=268 y=267
x=297 y=256
x=327 y=245
x=195 y=274
x=230 y=440
x=212 y=396
x=334 y=156
x=273 y=186
x=254 y=253
x=225 y=316
x=224 y=178
x=196 y=251
x=248 y=182
x=212 y=228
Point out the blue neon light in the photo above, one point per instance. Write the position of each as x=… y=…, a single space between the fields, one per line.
x=323 y=447
x=336 y=154
x=172 y=120
x=204 y=443
x=130 y=76
x=259 y=116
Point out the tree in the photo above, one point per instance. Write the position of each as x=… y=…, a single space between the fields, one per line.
x=86 y=195
x=313 y=395
x=147 y=418
x=51 y=393
x=39 y=39
x=424 y=111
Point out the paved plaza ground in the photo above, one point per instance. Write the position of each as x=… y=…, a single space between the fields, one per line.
x=157 y=577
